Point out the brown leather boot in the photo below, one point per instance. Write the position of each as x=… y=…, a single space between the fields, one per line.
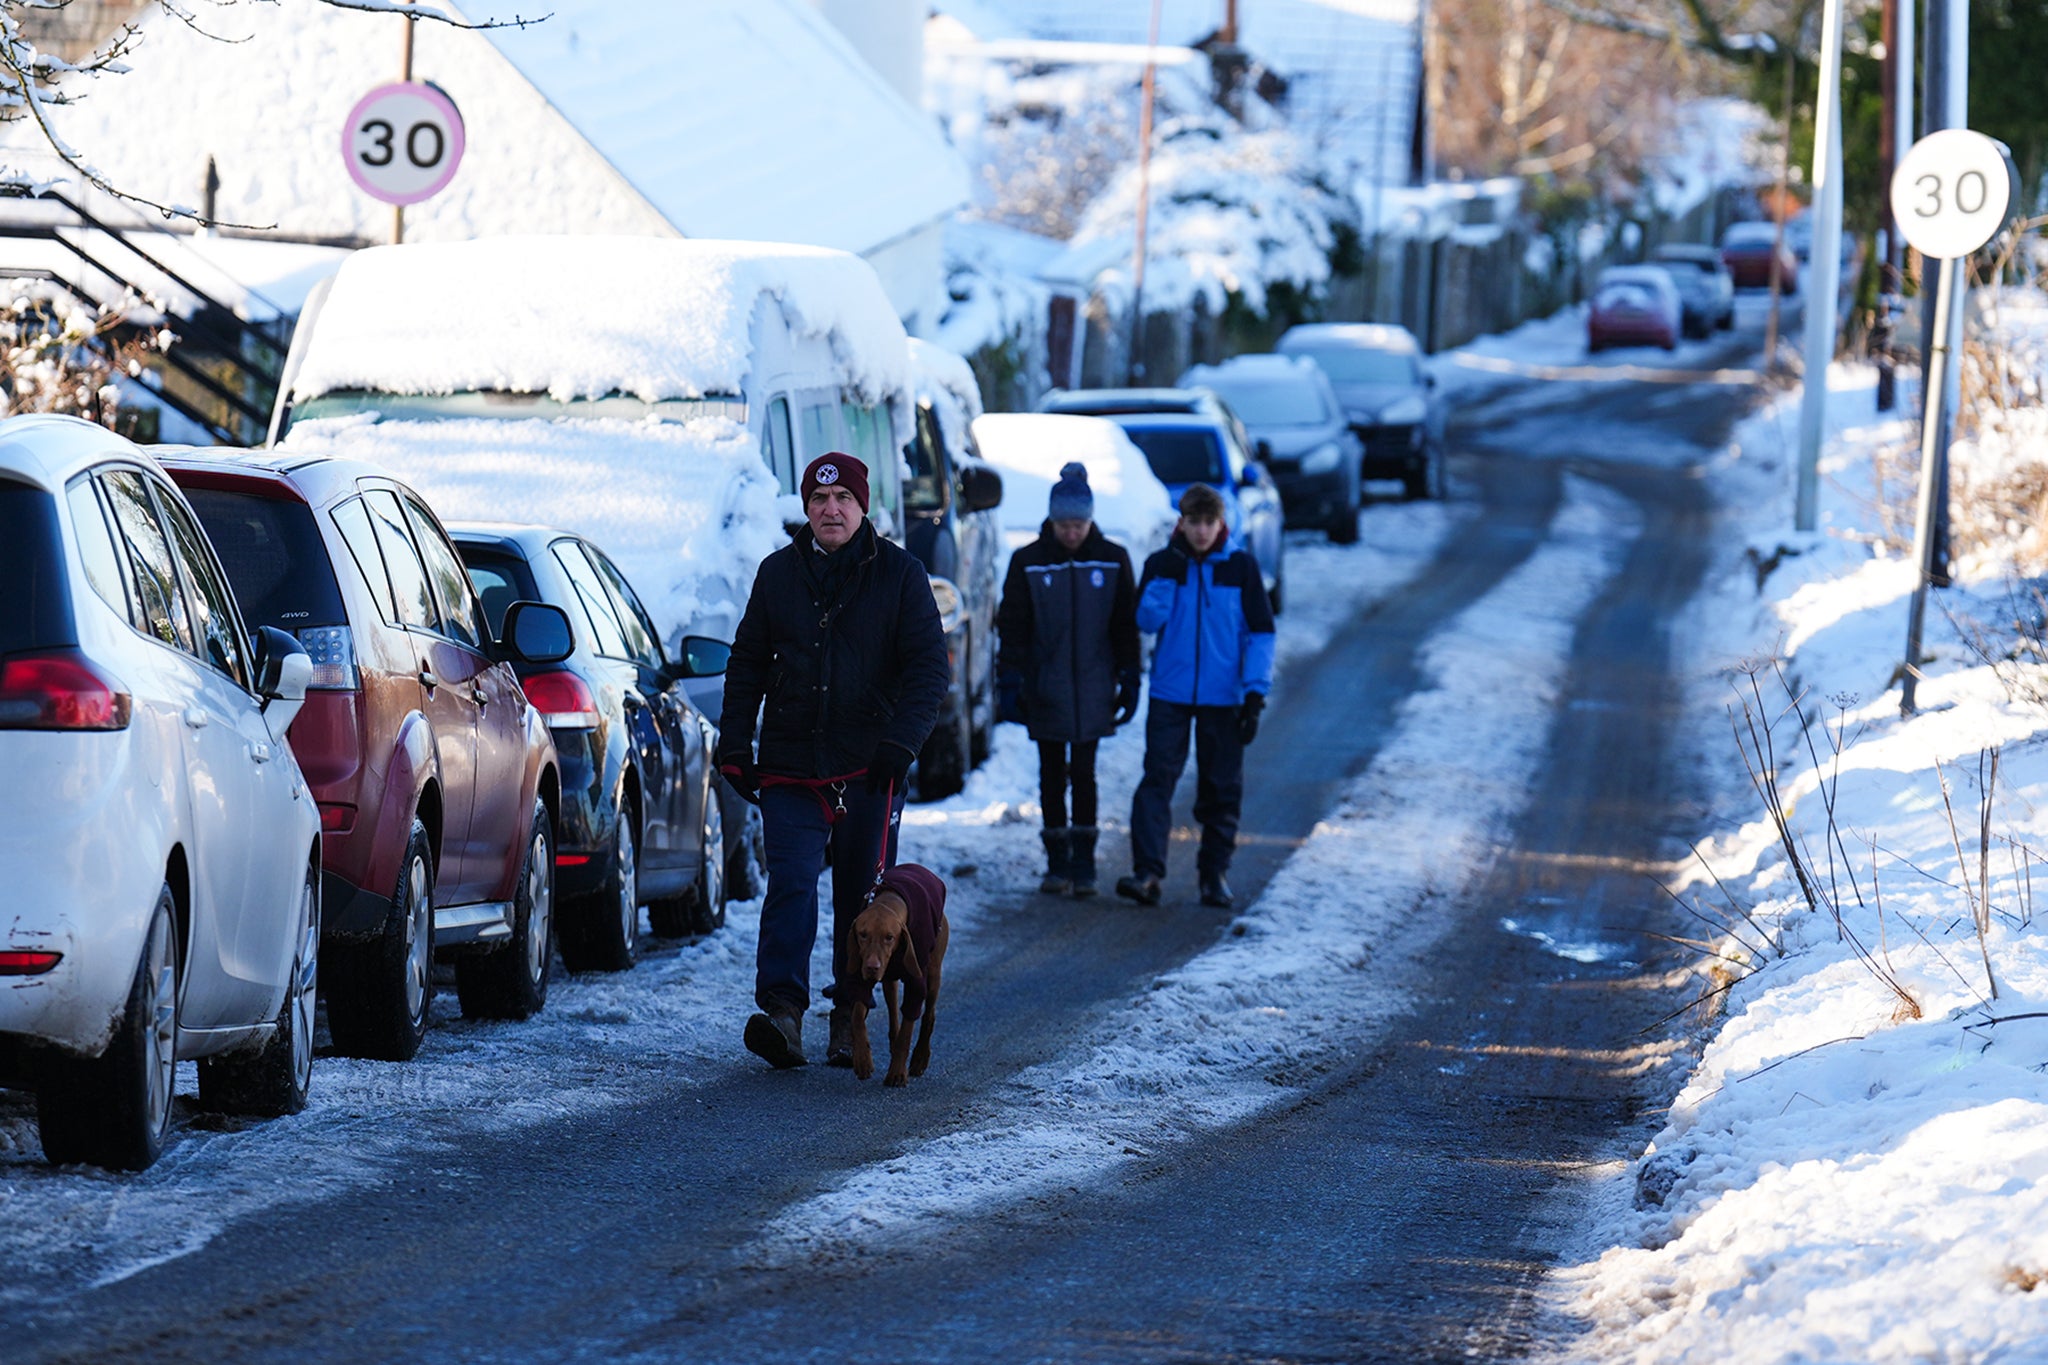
x=777 y=1039
x=839 y=1039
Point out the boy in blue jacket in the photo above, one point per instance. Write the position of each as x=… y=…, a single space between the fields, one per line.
x=1211 y=668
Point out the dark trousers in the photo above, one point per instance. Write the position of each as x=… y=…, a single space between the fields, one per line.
x=1219 y=785
x=798 y=834
x=1056 y=771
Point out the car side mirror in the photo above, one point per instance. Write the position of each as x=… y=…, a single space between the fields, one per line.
x=701 y=656
x=283 y=668
x=1262 y=451
x=537 y=633
x=981 y=488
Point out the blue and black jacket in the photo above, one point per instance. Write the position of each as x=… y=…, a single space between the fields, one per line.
x=1214 y=622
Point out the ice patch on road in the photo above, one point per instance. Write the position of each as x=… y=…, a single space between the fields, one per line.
x=1247 y=1025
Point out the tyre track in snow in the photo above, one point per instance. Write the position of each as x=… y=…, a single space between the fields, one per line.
x=630 y=1211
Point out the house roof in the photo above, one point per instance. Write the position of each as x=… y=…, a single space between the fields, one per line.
x=720 y=118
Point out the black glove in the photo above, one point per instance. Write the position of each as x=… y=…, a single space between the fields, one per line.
x=1127 y=696
x=888 y=769
x=1248 y=717
x=1010 y=704
x=744 y=777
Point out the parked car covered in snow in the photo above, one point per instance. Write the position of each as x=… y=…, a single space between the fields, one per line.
x=1300 y=436
x=1131 y=505
x=161 y=855
x=1706 y=289
x=1390 y=401
x=438 y=787
x=1634 y=305
x=640 y=814
x=1747 y=248
x=949 y=501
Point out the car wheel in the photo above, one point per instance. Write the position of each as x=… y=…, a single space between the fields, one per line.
x=1276 y=596
x=983 y=736
x=707 y=902
x=597 y=934
x=943 y=765
x=378 y=993
x=1343 y=528
x=511 y=980
x=115 y=1109
x=746 y=867
x=273 y=1080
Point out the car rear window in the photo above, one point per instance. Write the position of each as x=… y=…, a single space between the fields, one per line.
x=35 y=606
x=1277 y=404
x=274 y=557
x=1361 y=365
x=1180 y=454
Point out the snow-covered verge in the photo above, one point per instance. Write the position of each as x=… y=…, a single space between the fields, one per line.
x=603 y=1042
x=1857 y=1169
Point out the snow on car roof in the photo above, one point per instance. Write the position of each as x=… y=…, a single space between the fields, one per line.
x=581 y=317
x=1378 y=336
x=685 y=509
x=1131 y=505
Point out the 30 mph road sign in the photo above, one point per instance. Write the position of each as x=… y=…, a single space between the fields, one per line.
x=1952 y=192
x=403 y=142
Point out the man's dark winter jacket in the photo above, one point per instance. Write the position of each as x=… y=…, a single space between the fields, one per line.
x=846 y=652
x=1069 y=626
x=924 y=906
x=1214 y=621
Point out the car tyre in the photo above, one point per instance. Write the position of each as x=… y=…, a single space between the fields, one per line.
x=707 y=898
x=1343 y=528
x=274 y=1079
x=511 y=980
x=378 y=993
x=597 y=933
x=746 y=867
x=943 y=766
x=1276 y=596
x=114 y=1110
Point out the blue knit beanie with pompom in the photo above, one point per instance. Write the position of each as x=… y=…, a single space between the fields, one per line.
x=1071 y=498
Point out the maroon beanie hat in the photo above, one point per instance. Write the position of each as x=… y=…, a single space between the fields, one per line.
x=836 y=467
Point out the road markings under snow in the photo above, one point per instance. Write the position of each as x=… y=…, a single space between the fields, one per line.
x=1243 y=1027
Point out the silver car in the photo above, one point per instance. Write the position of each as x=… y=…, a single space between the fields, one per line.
x=159 y=846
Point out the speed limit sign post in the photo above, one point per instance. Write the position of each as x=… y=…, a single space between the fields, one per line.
x=1951 y=194
x=403 y=142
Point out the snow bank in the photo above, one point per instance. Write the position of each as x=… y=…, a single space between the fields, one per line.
x=1858 y=1167
x=1131 y=506
x=652 y=317
x=687 y=510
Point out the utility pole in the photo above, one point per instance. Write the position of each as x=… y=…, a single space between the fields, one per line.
x=1147 y=92
x=1824 y=268
x=1947 y=106
x=404 y=74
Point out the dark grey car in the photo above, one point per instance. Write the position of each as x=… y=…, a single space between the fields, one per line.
x=1705 y=287
x=1389 y=401
x=1298 y=432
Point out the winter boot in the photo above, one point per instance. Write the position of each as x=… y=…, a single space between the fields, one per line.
x=1143 y=890
x=1058 y=879
x=777 y=1039
x=1081 y=861
x=839 y=1040
x=1216 y=891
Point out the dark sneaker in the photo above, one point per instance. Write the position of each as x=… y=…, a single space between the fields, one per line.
x=776 y=1039
x=1216 y=891
x=1143 y=890
x=839 y=1040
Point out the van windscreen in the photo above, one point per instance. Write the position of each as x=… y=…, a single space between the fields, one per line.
x=35 y=601
x=274 y=556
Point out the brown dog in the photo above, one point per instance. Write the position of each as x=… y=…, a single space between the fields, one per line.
x=899 y=938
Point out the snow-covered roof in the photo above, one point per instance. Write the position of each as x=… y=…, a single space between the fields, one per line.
x=719 y=118
x=1352 y=64
x=653 y=317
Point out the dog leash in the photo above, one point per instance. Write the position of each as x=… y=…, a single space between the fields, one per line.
x=816 y=786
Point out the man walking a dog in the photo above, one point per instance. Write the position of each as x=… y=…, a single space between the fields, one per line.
x=1211 y=669
x=841 y=653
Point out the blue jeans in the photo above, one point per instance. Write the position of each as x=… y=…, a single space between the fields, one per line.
x=798 y=836
x=1219 y=785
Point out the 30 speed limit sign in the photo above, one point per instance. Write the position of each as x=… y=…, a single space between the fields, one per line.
x=403 y=142
x=1952 y=192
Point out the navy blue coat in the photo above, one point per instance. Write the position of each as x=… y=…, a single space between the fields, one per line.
x=1215 y=624
x=835 y=675
x=1069 y=627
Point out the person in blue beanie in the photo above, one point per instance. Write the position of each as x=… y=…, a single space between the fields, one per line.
x=1211 y=670
x=1067 y=667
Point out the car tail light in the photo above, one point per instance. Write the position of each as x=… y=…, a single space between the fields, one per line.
x=563 y=700
x=571 y=859
x=60 y=690
x=336 y=818
x=333 y=651
x=27 y=962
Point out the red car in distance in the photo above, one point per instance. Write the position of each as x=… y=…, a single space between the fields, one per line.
x=1746 y=249
x=438 y=784
x=1634 y=305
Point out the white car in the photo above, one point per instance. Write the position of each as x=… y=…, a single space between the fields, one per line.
x=159 y=846
x=1132 y=506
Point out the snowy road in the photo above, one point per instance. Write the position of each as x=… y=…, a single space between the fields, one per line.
x=1341 y=1124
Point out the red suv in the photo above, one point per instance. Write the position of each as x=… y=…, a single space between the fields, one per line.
x=437 y=782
